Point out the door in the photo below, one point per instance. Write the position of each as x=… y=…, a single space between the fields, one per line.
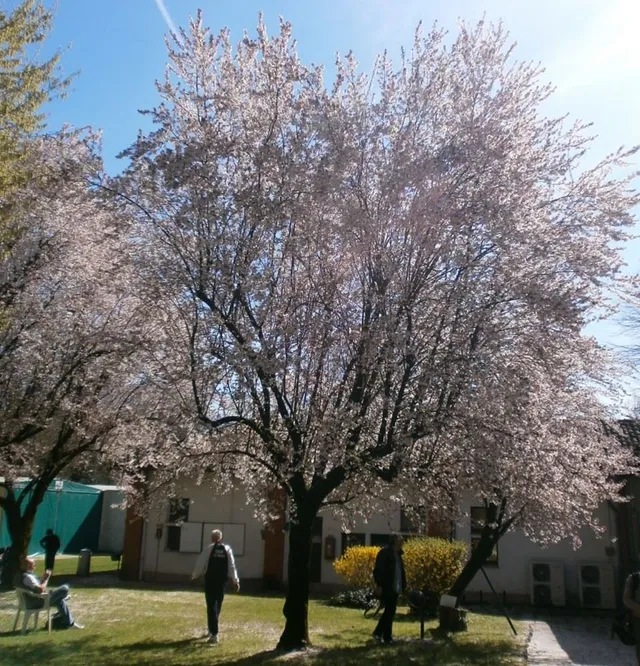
x=315 y=562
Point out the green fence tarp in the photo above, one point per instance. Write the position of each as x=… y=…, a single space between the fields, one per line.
x=73 y=511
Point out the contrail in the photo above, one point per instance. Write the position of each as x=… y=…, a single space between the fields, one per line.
x=167 y=18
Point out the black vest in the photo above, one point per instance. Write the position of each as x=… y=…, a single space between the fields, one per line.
x=218 y=566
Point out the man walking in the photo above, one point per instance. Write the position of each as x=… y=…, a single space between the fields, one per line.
x=217 y=564
x=50 y=543
x=391 y=581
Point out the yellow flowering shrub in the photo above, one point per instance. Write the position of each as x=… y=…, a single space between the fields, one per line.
x=433 y=564
x=355 y=565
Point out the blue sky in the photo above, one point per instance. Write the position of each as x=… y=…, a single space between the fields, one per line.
x=590 y=49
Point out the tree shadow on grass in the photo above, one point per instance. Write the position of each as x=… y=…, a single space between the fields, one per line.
x=440 y=653
x=194 y=651
x=83 y=650
x=342 y=648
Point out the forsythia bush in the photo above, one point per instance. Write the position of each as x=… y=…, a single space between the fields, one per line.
x=355 y=565
x=432 y=565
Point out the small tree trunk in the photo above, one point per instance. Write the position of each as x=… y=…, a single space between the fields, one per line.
x=20 y=531
x=20 y=527
x=296 y=606
x=480 y=555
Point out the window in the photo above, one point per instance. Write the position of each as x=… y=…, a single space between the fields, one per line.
x=478 y=516
x=380 y=540
x=179 y=510
x=173 y=537
x=413 y=520
x=178 y=514
x=353 y=539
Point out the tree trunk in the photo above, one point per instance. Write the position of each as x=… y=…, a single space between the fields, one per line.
x=479 y=556
x=20 y=528
x=296 y=606
x=20 y=534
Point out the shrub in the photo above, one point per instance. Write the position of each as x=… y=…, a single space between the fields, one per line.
x=356 y=598
x=355 y=565
x=432 y=564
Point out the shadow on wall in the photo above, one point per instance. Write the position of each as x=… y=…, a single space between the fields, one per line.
x=73 y=511
x=87 y=529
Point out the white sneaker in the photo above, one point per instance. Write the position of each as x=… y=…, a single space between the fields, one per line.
x=213 y=638
x=75 y=625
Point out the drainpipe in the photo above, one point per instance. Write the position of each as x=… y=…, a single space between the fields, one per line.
x=142 y=550
x=619 y=544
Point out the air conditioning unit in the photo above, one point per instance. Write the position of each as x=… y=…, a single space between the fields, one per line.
x=547 y=583
x=597 y=585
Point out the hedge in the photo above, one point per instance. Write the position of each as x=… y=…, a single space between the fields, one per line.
x=431 y=564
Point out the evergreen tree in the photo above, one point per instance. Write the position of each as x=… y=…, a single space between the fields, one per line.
x=26 y=84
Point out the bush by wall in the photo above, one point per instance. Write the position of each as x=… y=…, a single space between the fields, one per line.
x=354 y=598
x=433 y=564
x=355 y=565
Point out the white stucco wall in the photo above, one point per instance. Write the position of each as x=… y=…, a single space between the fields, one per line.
x=112 y=521
x=515 y=552
x=205 y=507
x=379 y=524
x=633 y=491
x=511 y=575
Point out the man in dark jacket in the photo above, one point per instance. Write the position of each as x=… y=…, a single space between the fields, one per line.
x=50 y=543
x=391 y=581
x=217 y=564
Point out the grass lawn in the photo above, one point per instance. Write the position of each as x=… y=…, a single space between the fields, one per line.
x=151 y=627
x=67 y=565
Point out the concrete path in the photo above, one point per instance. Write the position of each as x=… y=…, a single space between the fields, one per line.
x=577 y=641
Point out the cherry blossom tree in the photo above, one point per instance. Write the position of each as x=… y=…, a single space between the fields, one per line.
x=67 y=375
x=352 y=283
x=545 y=471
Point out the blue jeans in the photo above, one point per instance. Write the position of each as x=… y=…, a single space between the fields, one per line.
x=214 y=596
x=57 y=599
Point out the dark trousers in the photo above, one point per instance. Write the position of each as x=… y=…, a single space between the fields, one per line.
x=214 y=596
x=57 y=599
x=385 y=623
x=49 y=560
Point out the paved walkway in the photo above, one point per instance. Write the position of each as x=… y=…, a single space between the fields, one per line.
x=577 y=641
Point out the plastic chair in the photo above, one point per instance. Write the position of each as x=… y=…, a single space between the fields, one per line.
x=22 y=595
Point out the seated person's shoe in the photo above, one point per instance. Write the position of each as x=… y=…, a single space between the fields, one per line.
x=75 y=625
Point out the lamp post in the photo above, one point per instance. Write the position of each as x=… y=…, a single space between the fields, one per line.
x=59 y=485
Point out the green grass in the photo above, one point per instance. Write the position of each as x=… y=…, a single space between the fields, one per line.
x=150 y=627
x=67 y=566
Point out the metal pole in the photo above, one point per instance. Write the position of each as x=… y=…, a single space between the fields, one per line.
x=502 y=608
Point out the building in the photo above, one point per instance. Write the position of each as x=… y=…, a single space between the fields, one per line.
x=83 y=516
x=164 y=546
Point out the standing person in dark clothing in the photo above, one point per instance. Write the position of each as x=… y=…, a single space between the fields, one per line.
x=217 y=564
x=50 y=543
x=391 y=581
